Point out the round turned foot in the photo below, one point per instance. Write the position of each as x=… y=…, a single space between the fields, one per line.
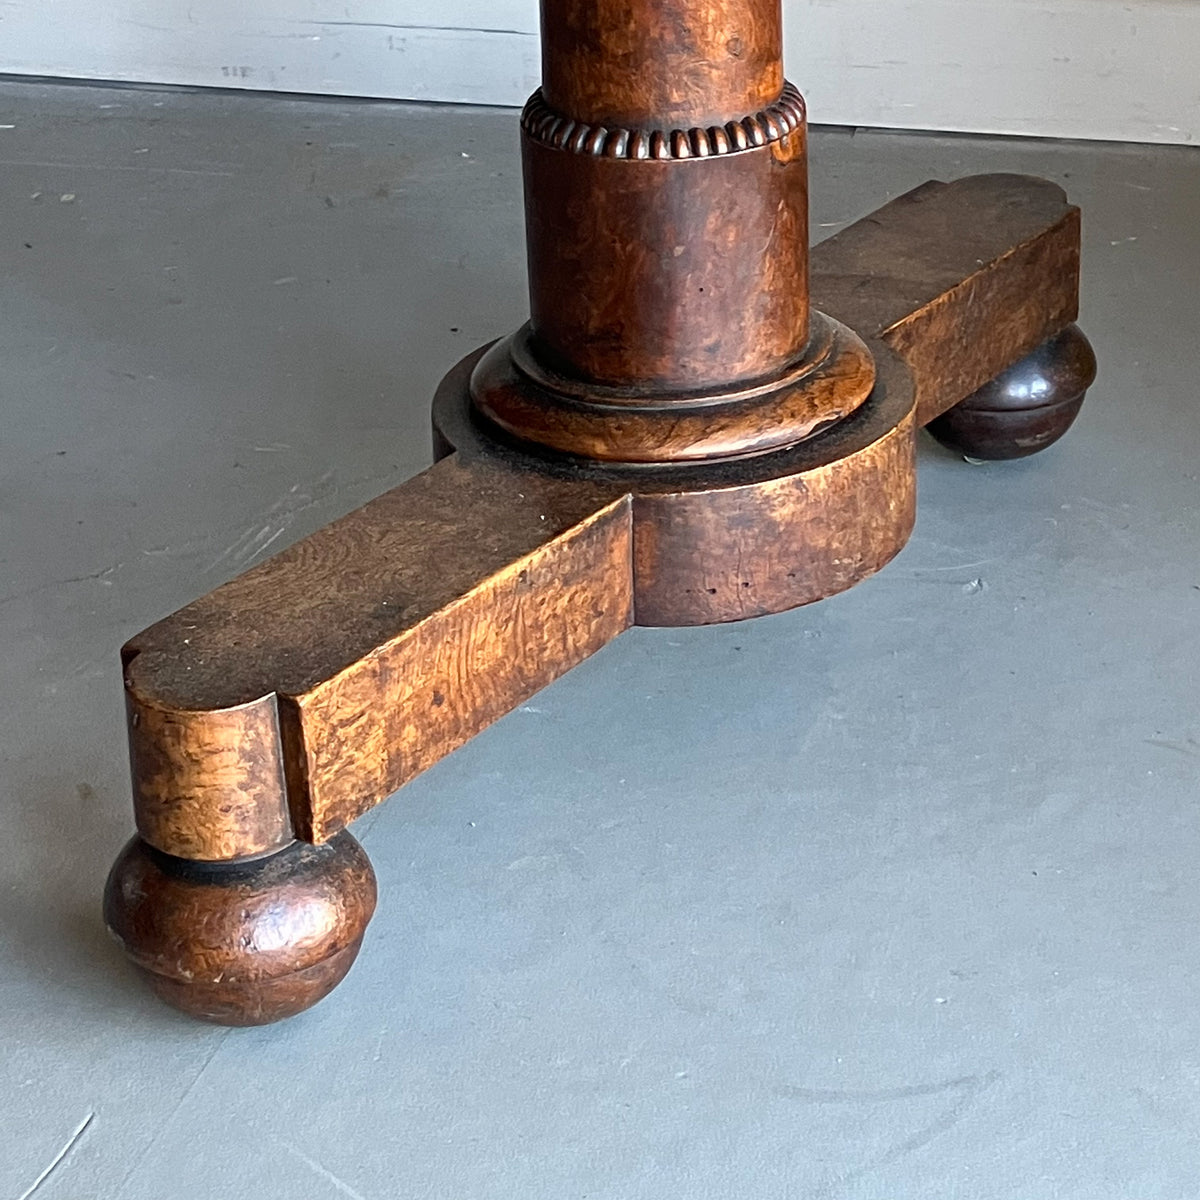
x=246 y=942
x=1028 y=407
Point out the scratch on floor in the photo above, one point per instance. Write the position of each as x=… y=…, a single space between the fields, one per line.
x=102 y=576
x=882 y=1095
x=314 y=1166
x=187 y=1091
x=294 y=504
x=969 y=566
x=418 y=28
x=1190 y=746
x=60 y=1157
x=968 y=1089
x=141 y=168
x=254 y=542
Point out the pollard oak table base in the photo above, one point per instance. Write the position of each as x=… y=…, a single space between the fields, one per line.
x=702 y=422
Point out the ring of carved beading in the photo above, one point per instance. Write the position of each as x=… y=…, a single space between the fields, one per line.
x=772 y=124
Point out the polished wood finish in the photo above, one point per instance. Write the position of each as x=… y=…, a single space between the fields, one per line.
x=833 y=377
x=676 y=272
x=960 y=279
x=670 y=63
x=208 y=779
x=1025 y=408
x=676 y=438
x=319 y=682
x=732 y=538
x=242 y=943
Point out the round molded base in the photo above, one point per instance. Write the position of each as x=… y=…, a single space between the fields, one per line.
x=731 y=538
x=528 y=401
x=247 y=942
x=1025 y=409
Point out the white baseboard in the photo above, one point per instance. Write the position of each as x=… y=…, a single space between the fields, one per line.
x=1125 y=70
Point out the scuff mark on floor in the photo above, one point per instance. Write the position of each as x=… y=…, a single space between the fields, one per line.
x=60 y=1157
x=314 y=1166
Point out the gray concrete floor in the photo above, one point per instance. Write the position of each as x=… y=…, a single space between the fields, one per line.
x=894 y=896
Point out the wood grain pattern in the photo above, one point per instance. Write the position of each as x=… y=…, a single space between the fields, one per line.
x=518 y=395
x=725 y=540
x=209 y=781
x=1025 y=408
x=825 y=517
x=371 y=727
x=322 y=680
x=673 y=63
x=960 y=279
x=462 y=591
x=669 y=275
x=674 y=439
x=243 y=943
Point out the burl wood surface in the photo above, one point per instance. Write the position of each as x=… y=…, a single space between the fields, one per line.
x=334 y=672
x=294 y=698
x=516 y=392
x=841 y=509
x=960 y=279
x=246 y=943
x=665 y=64
x=670 y=274
x=725 y=540
x=675 y=438
x=666 y=197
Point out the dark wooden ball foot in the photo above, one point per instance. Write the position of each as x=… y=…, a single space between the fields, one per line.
x=1026 y=408
x=246 y=942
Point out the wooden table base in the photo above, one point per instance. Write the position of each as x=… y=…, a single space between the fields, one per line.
x=700 y=423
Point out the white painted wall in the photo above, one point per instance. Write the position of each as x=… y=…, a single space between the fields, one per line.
x=1117 y=69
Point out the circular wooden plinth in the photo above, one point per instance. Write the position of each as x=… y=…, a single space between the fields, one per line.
x=532 y=403
x=242 y=943
x=1026 y=408
x=728 y=539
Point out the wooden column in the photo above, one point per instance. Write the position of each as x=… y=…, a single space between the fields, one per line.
x=666 y=195
x=643 y=64
x=666 y=206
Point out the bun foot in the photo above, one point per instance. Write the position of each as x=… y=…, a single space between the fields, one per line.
x=245 y=942
x=1026 y=408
